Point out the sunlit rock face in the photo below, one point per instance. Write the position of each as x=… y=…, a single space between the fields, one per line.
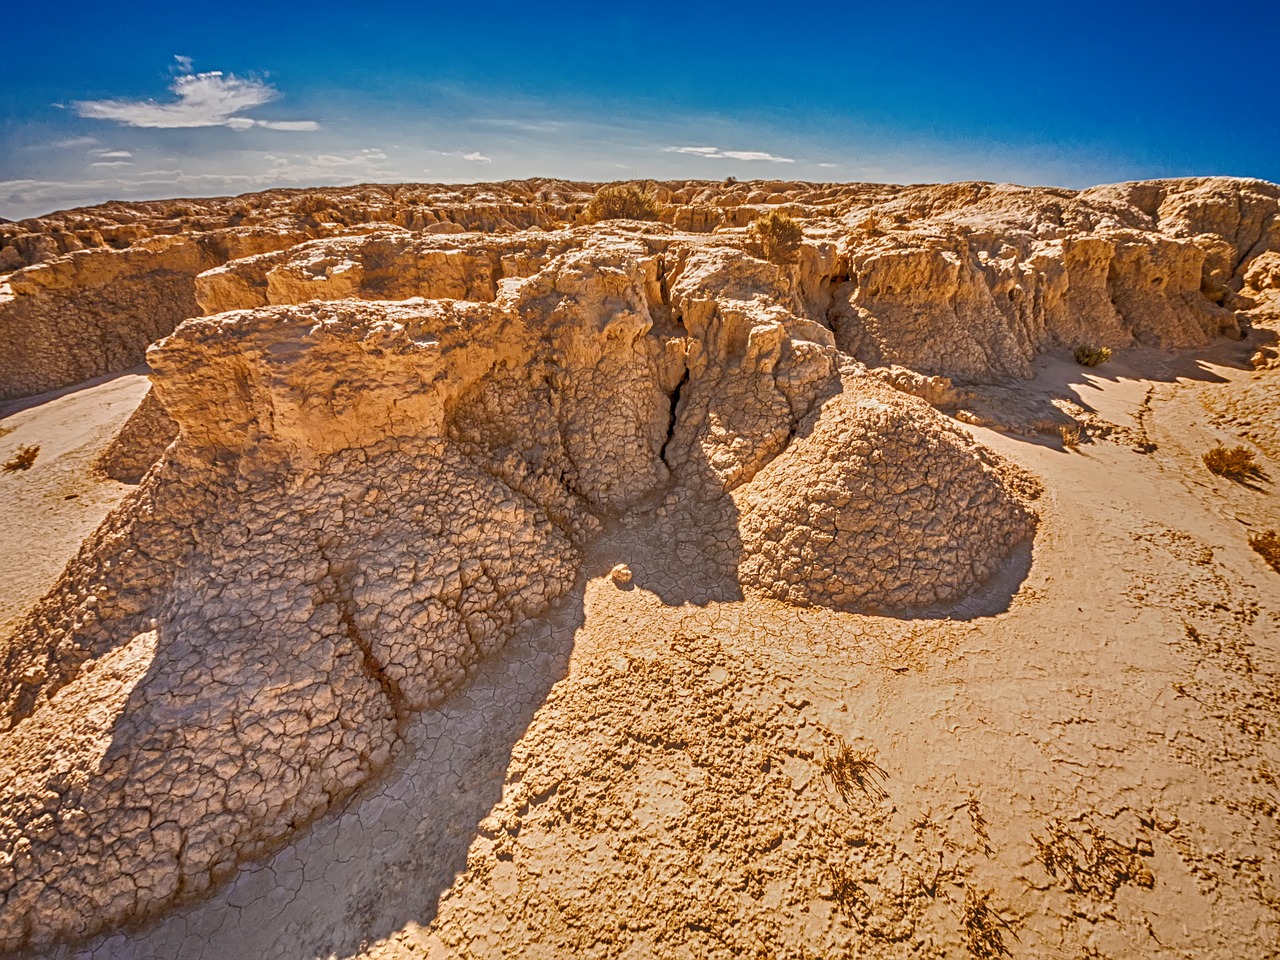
x=386 y=428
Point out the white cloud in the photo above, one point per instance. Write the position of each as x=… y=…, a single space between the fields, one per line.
x=210 y=99
x=184 y=63
x=112 y=163
x=296 y=126
x=828 y=165
x=477 y=157
x=112 y=154
x=71 y=143
x=718 y=154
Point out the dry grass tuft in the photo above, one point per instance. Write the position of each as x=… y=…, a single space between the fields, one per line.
x=1267 y=546
x=854 y=770
x=1070 y=435
x=1095 y=865
x=24 y=458
x=622 y=201
x=1090 y=356
x=982 y=927
x=1235 y=463
x=846 y=891
x=979 y=822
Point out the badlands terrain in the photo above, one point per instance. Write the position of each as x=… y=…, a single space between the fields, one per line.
x=424 y=571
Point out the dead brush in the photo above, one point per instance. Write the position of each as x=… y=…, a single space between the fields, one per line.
x=1090 y=356
x=1096 y=866
x=852 y=770
x=1267 y=546
x=1070 y=435
x=23 y=458
x=1236 y=463
x=845 y=890
x=983 y=927
x=979 y=823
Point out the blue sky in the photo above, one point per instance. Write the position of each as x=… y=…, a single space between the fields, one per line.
x=149 y=100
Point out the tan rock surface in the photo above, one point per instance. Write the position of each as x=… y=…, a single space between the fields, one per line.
x=353 y=662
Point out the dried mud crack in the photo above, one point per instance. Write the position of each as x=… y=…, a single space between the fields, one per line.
x=932 y=641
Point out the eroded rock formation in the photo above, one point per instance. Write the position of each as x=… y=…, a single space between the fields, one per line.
x=394 y=447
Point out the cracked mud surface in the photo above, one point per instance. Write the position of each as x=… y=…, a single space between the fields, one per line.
x=347 y=673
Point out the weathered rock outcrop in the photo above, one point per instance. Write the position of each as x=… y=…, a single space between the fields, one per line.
x=363 y=500
x=96 y=311
x=393 y=448
x=140 y=442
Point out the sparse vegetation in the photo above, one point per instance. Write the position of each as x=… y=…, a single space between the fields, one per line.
x=776 y=237
x=846 y=891
x=1095 y=866
x=851 y=770
x=982 y=927
x=1070 y=435
x=1091 y=356
x=979 y=823
x=1236 y=463
x=1267 y=546
x=622 y=201
x=23 y=458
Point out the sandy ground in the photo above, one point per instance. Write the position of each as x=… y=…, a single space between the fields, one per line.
x=50 y=508
x=644 y=774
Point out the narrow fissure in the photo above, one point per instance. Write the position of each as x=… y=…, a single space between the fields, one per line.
x=341 y=597
x=671 y=423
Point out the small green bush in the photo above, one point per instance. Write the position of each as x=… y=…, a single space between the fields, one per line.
x=776 y=237
x=1234 y=463
x=1089 y=356
x=622 y=201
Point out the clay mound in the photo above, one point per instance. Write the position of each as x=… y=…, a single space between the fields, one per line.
x=877 y=505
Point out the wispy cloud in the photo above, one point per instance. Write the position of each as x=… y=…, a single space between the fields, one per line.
x=112 y=154
x=212 y=99
x=112 y=163
x=477 y=157
x=715 y=153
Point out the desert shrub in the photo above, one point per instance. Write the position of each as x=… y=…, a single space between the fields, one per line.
x=23 y=458
x=776 y=237
x=1267 y=546
x=1070 y=435
x=1090 y=356
x=1234 y=463
x=622 y=201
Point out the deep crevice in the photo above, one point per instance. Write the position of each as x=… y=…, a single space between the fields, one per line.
x=671 y=423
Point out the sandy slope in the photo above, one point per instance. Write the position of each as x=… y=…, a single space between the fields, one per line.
x=644 y=775
x=50 y=508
